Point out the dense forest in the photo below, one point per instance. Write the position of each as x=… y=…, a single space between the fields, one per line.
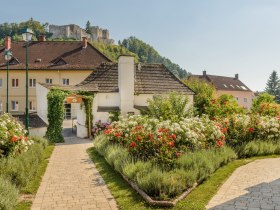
x=142 y=51
x=147 y=54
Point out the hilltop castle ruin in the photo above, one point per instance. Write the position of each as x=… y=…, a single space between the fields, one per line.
x=76 y=32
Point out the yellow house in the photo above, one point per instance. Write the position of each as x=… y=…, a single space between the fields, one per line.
x=51 y=62
x=229 y=85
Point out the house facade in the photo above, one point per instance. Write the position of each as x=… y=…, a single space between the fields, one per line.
x=124 y=86
x=229 y=85
x=54 y=62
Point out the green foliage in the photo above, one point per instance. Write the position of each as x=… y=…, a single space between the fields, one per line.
x=259 y=148
x=265 y=104
x=55 y=114
x=225 y=105
x=21 y=169
x=113 y=51
x=158 y=181
x=273 y=86
x=8 y=194
x=172 y=107
x=87 y=102
x=114 y=116
x=147 y=54
x=204 y=94
x=15 y=29
x=88 y=27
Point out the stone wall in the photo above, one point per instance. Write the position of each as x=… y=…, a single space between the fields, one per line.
x=76 y=32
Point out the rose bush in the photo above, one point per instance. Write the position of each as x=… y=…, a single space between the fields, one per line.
x=164 y=141
x=13 y=139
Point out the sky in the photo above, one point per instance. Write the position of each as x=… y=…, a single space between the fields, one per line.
x=223 y=37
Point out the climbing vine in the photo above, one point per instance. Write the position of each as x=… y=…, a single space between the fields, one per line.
x=55 y=114
x=56 y=111
x=87 y=102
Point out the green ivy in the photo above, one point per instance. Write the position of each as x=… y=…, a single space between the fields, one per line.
x=55 y=114
x=56 y=111
x=87 y=101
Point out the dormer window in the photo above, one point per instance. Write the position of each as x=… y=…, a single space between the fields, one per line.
x=14 y=61
x=59 y=62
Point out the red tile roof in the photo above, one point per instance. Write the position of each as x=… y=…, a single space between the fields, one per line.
x=54 y=55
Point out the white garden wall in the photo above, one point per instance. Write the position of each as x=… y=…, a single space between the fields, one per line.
x=42 y=102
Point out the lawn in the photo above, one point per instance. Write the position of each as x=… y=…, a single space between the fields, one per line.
x=128 y=199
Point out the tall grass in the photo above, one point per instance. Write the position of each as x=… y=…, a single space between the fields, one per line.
x=8 y=194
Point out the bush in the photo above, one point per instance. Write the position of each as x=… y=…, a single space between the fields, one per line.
x=13 y=140
x=265 y=104
x=8 y=194
x=163 y=182
x=20 y=169
x=259 y=148
x=205 y=93
x=163 y=141
x=224 y=106
x=173 y=107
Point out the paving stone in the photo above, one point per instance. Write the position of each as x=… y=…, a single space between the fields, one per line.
x=253 y=186
x=71 y=181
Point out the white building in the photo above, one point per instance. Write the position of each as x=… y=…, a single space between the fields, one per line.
x=123 y=86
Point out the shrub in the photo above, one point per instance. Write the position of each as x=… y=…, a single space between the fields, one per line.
x=172 y=107
x=8 y=194
x=224 y=106
x=13 y=140
x=264 y=104
x=205 y=93
x=20 y=169
x=163 y=141
x=259 y=148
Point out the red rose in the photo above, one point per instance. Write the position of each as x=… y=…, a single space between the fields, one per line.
x=133 y=144
x=14 y=139
x=171 y=144
x=118 y=134
x=138 y=138
x=173 y=136
x=220 y=143
x=251 y=130
x=224 y=130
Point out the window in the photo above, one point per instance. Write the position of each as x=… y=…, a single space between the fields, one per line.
x=15 y=105
x=237 y=98
x=48 y=81
x=15 y=82
x=32 y=106
x=245 y=100
x=1 y=82
x=65 y=81
x=32 y=82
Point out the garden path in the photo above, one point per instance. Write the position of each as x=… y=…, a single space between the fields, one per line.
x=71 y=180
x=253 y=186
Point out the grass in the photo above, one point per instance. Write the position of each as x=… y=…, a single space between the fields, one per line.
x=33 y=185
x=128 y=199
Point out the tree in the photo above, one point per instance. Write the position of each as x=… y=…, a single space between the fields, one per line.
x=273 y=86
x=205 y=93
x=88 y=27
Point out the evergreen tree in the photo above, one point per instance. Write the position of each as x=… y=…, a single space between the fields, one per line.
x=88 y=27
x=273 y=86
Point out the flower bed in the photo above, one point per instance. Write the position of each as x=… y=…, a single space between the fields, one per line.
x=149 y=139
x=158 y=184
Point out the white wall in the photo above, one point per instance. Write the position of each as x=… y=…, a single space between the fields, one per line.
x=42 y=102
x=82 y=130
x=104 y=99
x=38 y=131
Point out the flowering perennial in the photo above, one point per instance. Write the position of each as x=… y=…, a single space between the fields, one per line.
x=13 y=139
x=164 y=141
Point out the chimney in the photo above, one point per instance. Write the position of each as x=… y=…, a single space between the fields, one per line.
x=126 y=77
x=84 y=42
x=8 y=43
x=204 y=73
x=236 y=77
x=42 y=38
